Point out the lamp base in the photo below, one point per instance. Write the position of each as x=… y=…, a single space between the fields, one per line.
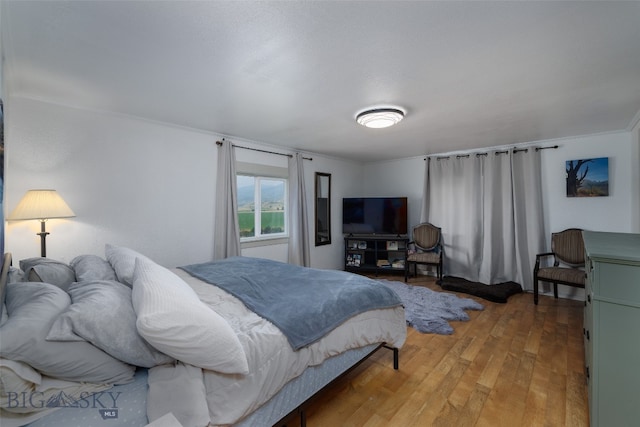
x=43 y=239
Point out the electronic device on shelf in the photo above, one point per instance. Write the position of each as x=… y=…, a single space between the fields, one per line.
x=374 y=216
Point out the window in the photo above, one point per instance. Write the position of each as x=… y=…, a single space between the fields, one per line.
x=262 y=207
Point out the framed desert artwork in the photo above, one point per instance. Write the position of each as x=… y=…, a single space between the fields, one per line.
x=588 y=177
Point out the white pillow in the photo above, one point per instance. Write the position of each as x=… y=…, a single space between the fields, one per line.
x=172 y=318
x=123 y=261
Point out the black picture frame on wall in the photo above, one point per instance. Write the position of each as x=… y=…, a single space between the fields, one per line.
x=323 y=209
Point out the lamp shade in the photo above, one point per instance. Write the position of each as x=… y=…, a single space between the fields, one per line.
x=41 y=204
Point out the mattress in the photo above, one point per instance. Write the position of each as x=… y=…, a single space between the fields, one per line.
x=300 y=389
x=272 y=361
x=130 y=409
x=132 y=400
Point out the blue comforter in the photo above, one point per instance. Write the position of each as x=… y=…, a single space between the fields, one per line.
x=304 y=303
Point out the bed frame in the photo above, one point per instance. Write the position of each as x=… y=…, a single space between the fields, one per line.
x=297 y=391
x=300 y=409
x=4 y=277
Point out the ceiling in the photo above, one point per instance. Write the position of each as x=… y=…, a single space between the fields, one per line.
x=469 y=74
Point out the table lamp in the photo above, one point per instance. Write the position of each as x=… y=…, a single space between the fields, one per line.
x=42 y=205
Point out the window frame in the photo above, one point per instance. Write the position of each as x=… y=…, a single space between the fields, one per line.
x=257 y=213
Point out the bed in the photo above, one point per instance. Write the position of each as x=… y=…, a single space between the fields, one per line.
x=158 y=365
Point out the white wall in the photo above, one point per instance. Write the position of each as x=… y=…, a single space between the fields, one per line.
x=635 y=179
x=135 y=183
x=346 y=181
x=612 y=213
x=397 y=178
x=130 y=183
x=1 y=58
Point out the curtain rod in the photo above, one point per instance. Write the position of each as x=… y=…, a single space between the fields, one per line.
x=515 y=150
x=219 y=143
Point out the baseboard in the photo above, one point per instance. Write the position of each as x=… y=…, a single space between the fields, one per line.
x=566 y=292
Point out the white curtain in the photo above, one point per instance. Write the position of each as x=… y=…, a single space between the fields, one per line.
x=424 y=208
x=489 y=207
x=226 y=233
x=528 y=213
x=497 y=262
x=453 y=194
x=299 y=252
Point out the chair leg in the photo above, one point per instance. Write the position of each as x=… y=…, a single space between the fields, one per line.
x=535 y=291
x=555 y=290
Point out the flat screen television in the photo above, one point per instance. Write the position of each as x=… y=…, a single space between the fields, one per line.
x=374 y=215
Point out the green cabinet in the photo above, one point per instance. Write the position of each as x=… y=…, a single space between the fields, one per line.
x=612 y=328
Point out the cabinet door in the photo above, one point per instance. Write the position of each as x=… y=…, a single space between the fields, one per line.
x=616 y=358
x=617 y=282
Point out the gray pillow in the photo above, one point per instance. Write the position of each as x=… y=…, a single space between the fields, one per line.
x=32 y=309
x=92 y=267
x=48 y=271
x=15 y=275
x=101 y=313
x=123 y=261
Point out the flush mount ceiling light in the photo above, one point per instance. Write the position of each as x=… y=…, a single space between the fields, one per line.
x=378 y=118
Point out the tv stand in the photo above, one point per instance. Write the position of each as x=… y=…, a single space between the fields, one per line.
x=375 y=254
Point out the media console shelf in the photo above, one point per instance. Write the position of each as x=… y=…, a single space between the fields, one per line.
x=375 y=254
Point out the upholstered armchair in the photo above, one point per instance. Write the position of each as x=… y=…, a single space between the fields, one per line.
x=427 y=239
x=567 y=248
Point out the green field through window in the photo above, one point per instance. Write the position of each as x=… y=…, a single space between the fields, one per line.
x=272 y=222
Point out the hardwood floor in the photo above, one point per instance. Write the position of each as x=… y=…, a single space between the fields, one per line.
x=513 y=364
